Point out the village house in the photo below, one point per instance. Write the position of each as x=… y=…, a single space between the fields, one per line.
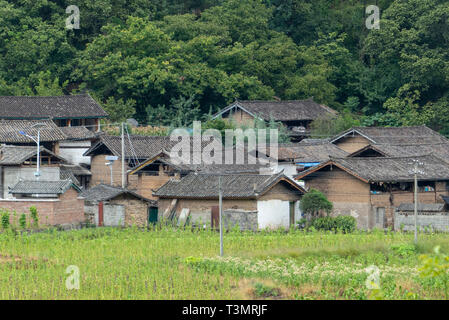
x=295 y=115
x=138 y=149
x=160 y=168
x=250 y=200
x=371 y=188
x=293 y=158
x=396 y=139
x=111 y=206
x=65 y=111
x=57 y=202
x=19 y=163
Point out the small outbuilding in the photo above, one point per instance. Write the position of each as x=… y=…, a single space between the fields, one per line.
x=260 y=201
x=112 y=206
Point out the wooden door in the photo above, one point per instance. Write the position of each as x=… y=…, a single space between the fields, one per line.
x=152 y=215
x=215 y=217
x=292 y=214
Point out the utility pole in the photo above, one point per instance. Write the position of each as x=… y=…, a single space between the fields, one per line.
x=220 y=203
x=415 y=173
x=123 y=156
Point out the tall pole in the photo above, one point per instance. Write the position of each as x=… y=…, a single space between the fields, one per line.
x=220 y=203
x=38 y=173
x=416 y=202
x=123 y=156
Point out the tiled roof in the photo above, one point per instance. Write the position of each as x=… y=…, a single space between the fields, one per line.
x=142 y=146
x=58 y=107
x=374 y=169
x=233 y=186
x=103 y=192
x=41 y=187
x=78 y=133
x=428 y=207
x=292 y=110
x=396 y=135
x=10 y=131
x=310 y=152
x=16 y=155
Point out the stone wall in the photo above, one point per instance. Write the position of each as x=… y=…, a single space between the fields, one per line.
x=246 y=220
x=437 y=222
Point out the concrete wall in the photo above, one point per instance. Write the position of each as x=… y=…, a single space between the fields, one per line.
x=73 y=151
x=437 y=222
x=113 y=215
x=12 y=175
x=273 y=214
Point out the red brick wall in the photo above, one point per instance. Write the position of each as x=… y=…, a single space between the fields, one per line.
x=65 y=210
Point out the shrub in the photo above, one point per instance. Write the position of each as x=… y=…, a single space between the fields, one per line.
x=34 y=216
x=346 y=224
x=314 y=202
x=5 y=219
x=23 y=221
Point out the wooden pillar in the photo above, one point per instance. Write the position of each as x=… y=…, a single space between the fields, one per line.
x=100 y=214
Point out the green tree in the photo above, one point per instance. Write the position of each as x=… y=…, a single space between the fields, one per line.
x=313 y=203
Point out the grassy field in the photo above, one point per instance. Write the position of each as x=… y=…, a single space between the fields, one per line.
x=183 y=264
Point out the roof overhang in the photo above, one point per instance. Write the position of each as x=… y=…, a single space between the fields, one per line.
x=351 y=131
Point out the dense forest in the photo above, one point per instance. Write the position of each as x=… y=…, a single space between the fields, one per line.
x=165 y=60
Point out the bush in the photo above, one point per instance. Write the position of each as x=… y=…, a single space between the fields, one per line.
x=5 y=219
x=314 y=202
x=34 y=216
x=23 y=221
x=346 y=224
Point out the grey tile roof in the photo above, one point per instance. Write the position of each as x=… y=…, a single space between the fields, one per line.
x=143 y=146
x=396 y=135
x=9 y=131
x=164 y=157
x=383 y=169
x=310 y=152
x=16 y=155
x=428 y=207
x=41 y=187
x=238 y=186
x=292 y=110
x=78 y=133
x=58 y=107
x=103 y=192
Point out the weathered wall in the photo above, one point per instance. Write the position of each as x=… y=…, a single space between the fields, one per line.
x=102 y=173
x=73 y=151
x=12 y=175
x=246 y=220
x=146 y=184
x=349 y=195
x=136 y=211
x=352 y=143
x=437 y=222
x=68 y=209
x=241 y=117
x=200 y=210
x=122 y=210
x=273 y=214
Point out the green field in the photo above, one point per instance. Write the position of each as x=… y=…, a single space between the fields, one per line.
x=183 y=264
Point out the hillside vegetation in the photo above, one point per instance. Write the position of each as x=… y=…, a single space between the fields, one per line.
x=150 y=59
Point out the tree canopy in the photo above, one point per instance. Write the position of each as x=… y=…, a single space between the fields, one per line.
x=154 y=59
